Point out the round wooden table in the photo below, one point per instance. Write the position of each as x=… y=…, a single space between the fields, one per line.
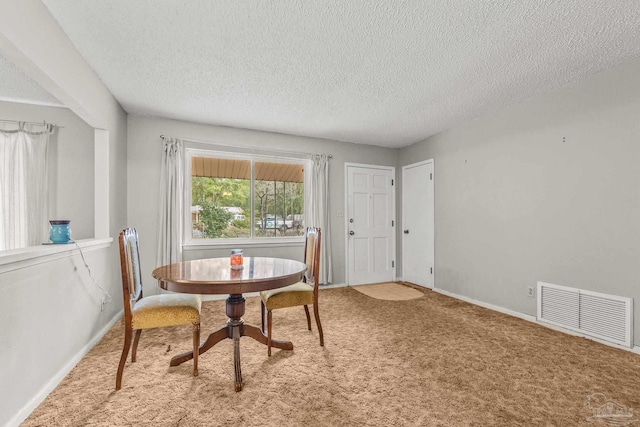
x=215 y=276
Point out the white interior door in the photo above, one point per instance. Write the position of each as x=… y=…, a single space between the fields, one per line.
x=418 y=224
x=370 y=224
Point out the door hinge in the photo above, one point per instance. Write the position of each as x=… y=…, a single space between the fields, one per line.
x=431 y=270
x=392 y=223
x=431 y=176
x=393 y=264
x=392 y=182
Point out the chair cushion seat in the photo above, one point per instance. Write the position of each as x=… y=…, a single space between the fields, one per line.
x=166 y=310
x=290 y=296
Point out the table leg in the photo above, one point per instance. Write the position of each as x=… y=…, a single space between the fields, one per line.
x=236 y=332
x=256 y=333
x=235 y=310
x=214 y=338
x=234 y=329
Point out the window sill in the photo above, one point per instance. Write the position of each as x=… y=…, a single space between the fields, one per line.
x=16 y=259
x=283 y=242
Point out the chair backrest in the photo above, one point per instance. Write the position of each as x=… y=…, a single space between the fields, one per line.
x=130 y=266
x=312 y=255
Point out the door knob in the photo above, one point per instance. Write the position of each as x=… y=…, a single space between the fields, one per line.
x=406 y=231
x=351 y=233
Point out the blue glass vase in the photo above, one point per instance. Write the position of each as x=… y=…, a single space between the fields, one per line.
x=59 y=232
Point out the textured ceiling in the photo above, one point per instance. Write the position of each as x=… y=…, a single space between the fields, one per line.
x=387 y=73
x=16 y=86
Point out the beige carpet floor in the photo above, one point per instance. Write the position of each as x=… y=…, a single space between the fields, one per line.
x=431 y=361
x=390 y=291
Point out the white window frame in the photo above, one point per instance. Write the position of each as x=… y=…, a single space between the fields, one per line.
x=258 y=241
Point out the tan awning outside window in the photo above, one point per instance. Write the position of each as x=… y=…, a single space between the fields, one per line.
x=241 y=169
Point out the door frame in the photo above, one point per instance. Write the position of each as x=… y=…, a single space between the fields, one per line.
x=394 y=245
x=432 y=204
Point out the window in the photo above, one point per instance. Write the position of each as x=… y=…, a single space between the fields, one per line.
x=23 y=184
x=76 y=169
x=235 y=196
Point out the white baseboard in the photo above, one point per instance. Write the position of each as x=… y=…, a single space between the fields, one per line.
x=487 y=305
x=333 y=285
x=533 y=319
x=26 y=410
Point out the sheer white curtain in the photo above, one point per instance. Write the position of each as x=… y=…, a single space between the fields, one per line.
x=23 y=185
x=319 y=212
x=171 y=202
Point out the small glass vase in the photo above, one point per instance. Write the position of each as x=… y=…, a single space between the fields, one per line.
x=236 y=259
x=59 y=231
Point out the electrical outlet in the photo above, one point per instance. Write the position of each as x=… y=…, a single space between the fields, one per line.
x=531 y=291
x=103 y=302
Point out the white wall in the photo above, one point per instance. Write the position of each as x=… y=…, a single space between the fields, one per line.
x=546 y=191
x=144 y=158
x=50 y=308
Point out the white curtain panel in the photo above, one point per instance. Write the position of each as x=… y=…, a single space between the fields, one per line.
x=171 y=203
x=24 y=185
x=319 y=215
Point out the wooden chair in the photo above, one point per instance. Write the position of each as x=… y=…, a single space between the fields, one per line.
x=301 y=293
x=154 y=311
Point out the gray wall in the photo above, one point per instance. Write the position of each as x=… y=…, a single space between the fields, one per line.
x=51 y=310
x=144 y=158
x=546 y=191
x=50 y=307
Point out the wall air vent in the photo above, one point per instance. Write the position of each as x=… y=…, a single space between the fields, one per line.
x=602 y=316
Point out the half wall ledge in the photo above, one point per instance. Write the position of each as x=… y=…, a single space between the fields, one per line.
x=16 y=259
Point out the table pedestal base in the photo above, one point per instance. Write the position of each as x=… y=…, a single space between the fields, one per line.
x=233 y=329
